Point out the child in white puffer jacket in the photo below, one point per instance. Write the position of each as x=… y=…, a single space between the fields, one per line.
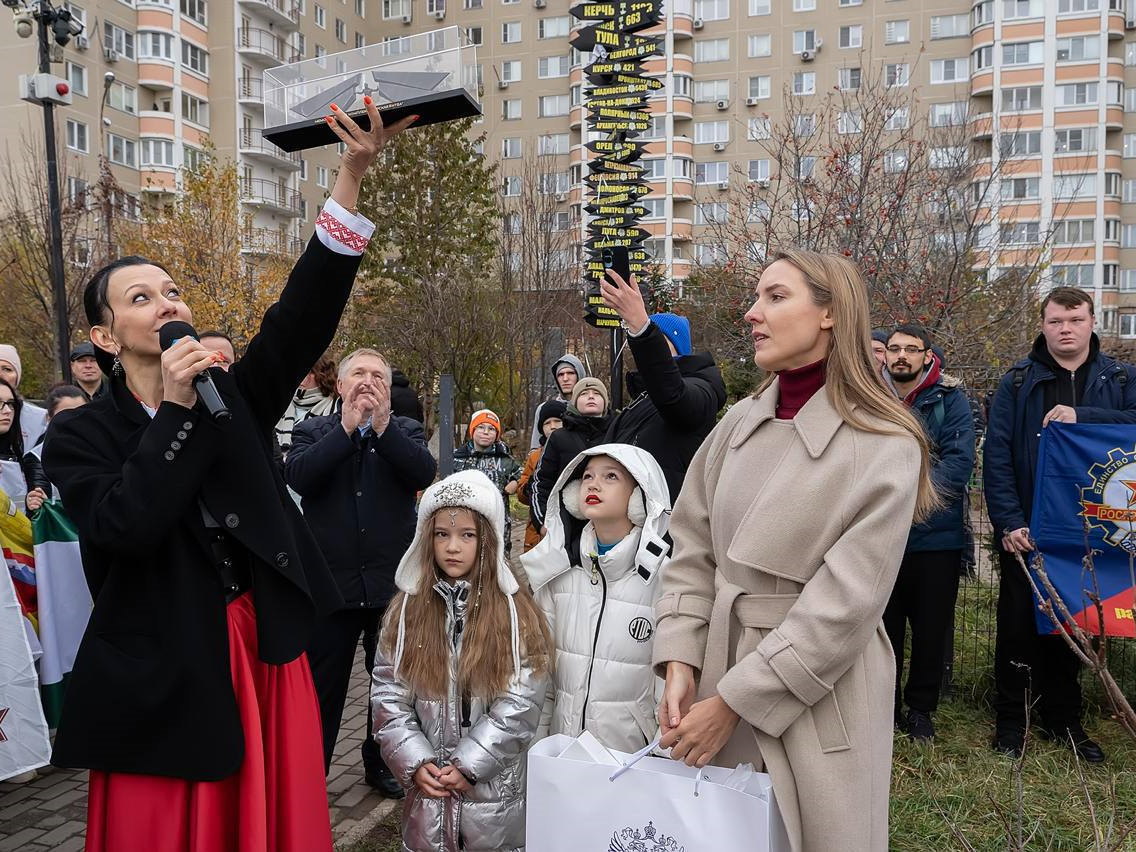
x=596 y=575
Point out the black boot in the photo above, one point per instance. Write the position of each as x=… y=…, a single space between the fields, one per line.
x=1074 y=737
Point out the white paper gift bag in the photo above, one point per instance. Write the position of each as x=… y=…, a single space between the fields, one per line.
x=583 y=797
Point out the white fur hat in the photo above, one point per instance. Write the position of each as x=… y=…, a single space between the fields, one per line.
x=468 y=489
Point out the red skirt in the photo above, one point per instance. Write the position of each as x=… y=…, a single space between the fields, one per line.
x=277 y=800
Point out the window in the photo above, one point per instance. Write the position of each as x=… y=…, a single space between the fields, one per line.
x=552 y=105
x=759 y=170
x=1017 y=189
x=656 y=208
x=760 y=45
x=1128 y=282
x=949 y=70
x=804 y=5
x=155 y=46
x=553 y=27
x=123 y=98
x=982 y=13
x=1023 y=8
x=553 y=183
x=844 y=3
x=1128 y=236
x=361 y=8
x=1019 y=233
x=760 y=7
x=1074 y=185
x=1077 y=94
x=510 y=148
x=851 y=36
x=897 y=75
x=319 y=14
x=553 y=66
x=1023 y=143
x=949 y=26
x=759 y=211
x=1130 y=191
x=757 y=129
x=1081 y=139
x=77 y=192
x=712 y=10
x=77 y=76
x=708 y=254
x=157 y=152
x=711 y=131
x=1130 y=144
x=194 y=58
x=1130 y=100
x=1072 y=276
x=804 y=40
x=1078 y=48
x=981 y=58
x=656 y=128
x=897 y=32
x=1022 y=53
x=321 y=176
x=848 y=79
x=805 y=166
x=1130 y=53
x=341 y=30
x=1072 y=232
x=949 y=157
x=804 y=82
x=511 y=71
x=759 y=87
x=122 y=151
x=655 y=169
x=77 y=12
x=1112 y=229
x=850 y=121
x=77 y=136
x=711 y=173
x=471 y=4
x=709 y=91
x=511 y=109
x=476 y=35
x=710 y=214
x=560 y=220
x=118 y=39
x=1112 y=184
x=576 y=93
x=950 y=114
x=510 y=32
x=895 y=161
x=1021 y=98
x=553 y=143
x=1128 y=321
x=1065 y=6
x=712 y=50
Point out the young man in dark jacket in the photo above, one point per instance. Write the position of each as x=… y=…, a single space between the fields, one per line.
x=358 y=473
x=566 y=371
x=405 y=401
x=1067 y=379
x=585 y=424
x=676 y=395
x=927 y=586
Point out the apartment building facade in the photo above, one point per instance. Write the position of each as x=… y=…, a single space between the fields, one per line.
x=1047 y=89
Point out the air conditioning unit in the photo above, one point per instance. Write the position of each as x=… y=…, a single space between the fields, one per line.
x=439 y=14
x=562 y=196
x=719 y=146
x=753 y=101
x=82 y=42
x=762 y=182
x=818 y=44
x=110 y=54
x=406 y=19
x=698 y=23
x=540 y=4
x=807 y=55
x=722 y=187
x=723 y=104
x=502 y=84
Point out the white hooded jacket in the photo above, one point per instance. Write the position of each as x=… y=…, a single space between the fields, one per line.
x=601 y=608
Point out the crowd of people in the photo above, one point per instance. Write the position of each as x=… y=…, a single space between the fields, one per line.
x=733 y=585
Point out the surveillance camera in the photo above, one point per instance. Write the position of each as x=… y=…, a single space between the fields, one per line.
x=106 y=121
x=108 y=77
x=24 y=22
x=11 y=4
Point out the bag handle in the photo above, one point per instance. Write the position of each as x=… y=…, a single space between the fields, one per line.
x=642 y=753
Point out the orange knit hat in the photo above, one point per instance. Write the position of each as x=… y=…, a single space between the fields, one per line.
x=484 y=415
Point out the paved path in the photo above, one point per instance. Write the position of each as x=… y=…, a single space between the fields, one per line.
x=49 y=814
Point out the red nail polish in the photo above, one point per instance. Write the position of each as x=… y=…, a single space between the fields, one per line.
x=334 y=108
x=367 y=100
x=329 y=120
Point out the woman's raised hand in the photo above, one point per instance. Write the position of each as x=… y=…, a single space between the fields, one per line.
x=363 y=146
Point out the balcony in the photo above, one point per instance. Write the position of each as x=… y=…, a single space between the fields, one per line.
x=265 y=241
x=252 y=145
x=265 y=46
x=282 y=13
x=250 y=91
x=270 y=196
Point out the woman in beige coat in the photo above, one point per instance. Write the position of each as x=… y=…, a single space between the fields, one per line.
x=788 y=536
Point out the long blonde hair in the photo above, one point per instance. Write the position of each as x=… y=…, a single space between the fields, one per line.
x=486 y=664
x=851 y=378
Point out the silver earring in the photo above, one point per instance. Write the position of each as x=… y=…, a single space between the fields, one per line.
x=116 y=368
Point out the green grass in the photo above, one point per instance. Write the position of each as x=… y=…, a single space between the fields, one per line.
x=959 y=784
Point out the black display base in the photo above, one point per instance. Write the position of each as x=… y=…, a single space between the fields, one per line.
x=432 y=109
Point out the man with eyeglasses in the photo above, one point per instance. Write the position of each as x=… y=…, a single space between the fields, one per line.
x=927 y=585
x=1067 y=379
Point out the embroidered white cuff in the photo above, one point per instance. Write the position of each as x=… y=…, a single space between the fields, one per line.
x=341 y=230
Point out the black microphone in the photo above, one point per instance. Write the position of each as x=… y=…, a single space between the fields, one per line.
x=171 y=333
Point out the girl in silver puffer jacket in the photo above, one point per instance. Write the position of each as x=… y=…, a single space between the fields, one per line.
x=461 y=676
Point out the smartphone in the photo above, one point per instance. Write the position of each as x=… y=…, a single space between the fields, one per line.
x=618 y=261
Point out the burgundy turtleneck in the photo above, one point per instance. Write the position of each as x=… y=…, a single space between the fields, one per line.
x=797 y=387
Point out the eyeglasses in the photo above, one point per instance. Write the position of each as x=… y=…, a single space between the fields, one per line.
x=9 y=404
x=910 y=350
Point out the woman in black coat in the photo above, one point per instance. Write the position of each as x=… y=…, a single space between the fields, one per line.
x=191 y=700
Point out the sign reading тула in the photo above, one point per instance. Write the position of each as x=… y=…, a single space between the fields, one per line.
x=617 y=105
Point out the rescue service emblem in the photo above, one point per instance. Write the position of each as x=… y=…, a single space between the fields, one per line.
x=1109 y=503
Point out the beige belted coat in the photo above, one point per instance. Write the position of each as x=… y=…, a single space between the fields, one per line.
x=788 y=537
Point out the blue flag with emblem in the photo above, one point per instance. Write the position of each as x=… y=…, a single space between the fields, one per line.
x=1086 y=475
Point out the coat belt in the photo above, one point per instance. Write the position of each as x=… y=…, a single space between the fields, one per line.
x=763 y=612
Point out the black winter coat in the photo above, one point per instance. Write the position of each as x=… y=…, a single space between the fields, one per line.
x=151 y=690
x=358 y=498
x=676 y=404
x=576 y=435
x=405 y=401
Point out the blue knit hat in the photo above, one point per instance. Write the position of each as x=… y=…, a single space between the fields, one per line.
x=677 y=330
